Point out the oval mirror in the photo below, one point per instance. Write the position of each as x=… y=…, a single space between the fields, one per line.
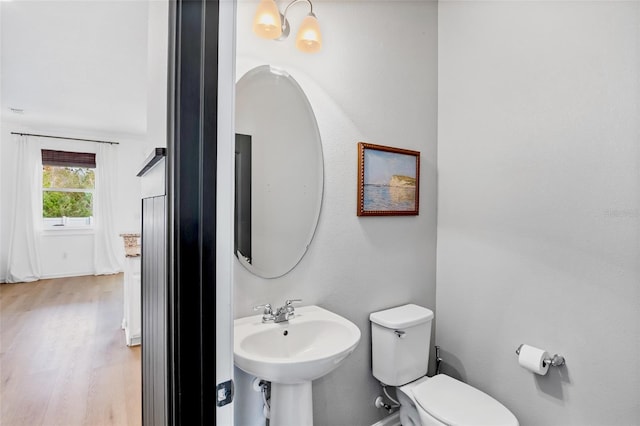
x=279 y=172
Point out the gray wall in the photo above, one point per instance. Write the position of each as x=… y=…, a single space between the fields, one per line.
x=539 y=204
x=374 y=81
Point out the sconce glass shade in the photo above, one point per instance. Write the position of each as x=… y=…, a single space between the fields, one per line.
x=267 y=22
x=309 y=39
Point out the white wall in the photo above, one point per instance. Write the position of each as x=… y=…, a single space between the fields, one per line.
x=3 y=230
x=153 y=182
x=539 y=204
x=77 y=64
x=376 y=86
x=69 y=253
x=90 y=86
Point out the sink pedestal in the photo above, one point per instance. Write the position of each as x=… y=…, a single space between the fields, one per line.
x=291 y=405
x=291 y=355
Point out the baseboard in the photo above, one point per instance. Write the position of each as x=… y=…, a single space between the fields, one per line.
x=132 y=339
x=74 y=274
x=65 y=275
x=392 y=420
x=54 y=276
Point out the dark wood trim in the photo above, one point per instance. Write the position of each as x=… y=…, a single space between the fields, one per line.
x=156 y=367
x=209 y=161
x=152 y=159
x=192 y=205
x=172 y=400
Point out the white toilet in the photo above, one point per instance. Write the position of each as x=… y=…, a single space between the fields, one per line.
x=400 y=339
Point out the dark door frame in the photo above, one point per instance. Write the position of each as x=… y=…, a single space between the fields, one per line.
x=191 y=183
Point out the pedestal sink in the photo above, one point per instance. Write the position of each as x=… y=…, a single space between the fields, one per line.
x=291 y=355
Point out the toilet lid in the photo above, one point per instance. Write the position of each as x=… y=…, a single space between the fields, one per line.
x=455 y=403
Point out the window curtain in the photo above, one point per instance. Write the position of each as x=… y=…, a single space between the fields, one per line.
x=24 y=261
x=107 y=247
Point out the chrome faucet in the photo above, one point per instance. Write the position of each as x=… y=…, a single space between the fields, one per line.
x=282 y=314
x=286 y=312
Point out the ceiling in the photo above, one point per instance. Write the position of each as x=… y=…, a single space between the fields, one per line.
x=75 y=64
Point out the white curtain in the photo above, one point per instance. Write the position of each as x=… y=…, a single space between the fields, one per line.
x=24 y=263
x=107 y=247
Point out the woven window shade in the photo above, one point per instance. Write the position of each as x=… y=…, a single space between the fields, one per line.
x=68 y=159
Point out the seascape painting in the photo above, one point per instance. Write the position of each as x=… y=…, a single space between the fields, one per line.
x=388 y=180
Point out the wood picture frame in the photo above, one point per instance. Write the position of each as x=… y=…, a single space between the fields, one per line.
x=388 y=181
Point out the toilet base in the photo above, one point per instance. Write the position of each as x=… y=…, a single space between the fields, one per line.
x=410 y=415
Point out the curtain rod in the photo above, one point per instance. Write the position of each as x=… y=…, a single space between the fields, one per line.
x=60 y=137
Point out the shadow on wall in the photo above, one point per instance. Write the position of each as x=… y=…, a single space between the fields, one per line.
x=552 y=383
x=452 y=366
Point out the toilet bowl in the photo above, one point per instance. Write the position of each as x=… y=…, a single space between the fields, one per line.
x=442 y=400
x=400 y=340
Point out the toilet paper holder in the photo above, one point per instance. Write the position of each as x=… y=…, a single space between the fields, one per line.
x=555 y=361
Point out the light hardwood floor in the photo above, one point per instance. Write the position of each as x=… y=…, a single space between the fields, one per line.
x=63 y=358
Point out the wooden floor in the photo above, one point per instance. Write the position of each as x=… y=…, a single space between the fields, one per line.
x=63 y=360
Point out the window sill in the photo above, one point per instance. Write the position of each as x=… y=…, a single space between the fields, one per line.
x=67 y=231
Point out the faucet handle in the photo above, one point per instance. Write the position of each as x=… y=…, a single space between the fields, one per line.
x=267 y=314
x=266 y=306
x=288 y=305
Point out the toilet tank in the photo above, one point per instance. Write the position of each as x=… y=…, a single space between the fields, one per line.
x=400 y=339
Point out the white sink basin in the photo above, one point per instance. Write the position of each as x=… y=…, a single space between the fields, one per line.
x=291 y=354
x=308 y=346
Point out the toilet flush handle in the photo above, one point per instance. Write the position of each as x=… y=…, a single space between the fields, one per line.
x=399 y=333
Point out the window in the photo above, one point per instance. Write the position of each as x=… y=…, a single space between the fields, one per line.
x=68 y=183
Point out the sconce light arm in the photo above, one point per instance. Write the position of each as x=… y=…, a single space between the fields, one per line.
x=297 y=1
x=285 y=22
x=294 y=2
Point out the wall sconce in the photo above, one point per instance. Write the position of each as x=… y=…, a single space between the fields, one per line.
x=269 y=23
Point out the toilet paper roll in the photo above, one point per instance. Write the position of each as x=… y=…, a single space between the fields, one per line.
x=532 y=359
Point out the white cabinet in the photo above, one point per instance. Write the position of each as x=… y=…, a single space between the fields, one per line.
x=132 y=305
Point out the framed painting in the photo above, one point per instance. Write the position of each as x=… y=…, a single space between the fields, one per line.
x=388 y=180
